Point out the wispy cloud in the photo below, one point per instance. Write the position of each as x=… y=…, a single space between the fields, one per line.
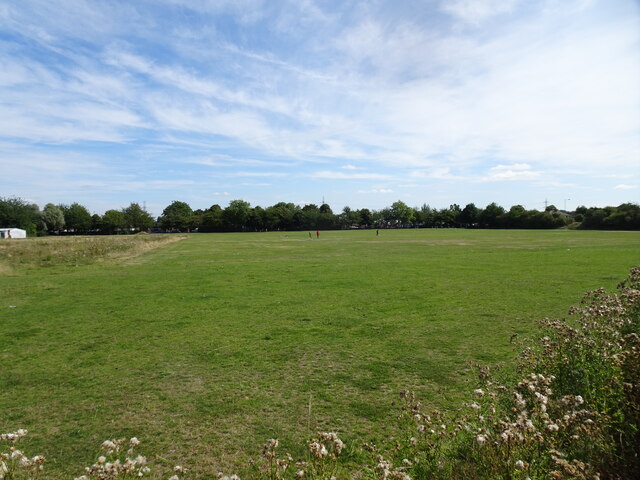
x=377 y=190
x=477 y=11
x=347 y=176
x=623 y=186
x=517 y=171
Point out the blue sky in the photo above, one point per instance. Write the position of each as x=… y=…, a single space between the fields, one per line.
x=361 y=103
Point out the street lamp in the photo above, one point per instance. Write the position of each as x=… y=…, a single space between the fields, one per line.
x=565 y=203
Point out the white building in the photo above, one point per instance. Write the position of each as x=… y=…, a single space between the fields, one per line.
x=12 y=233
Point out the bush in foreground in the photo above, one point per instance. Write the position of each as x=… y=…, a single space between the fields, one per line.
x=573 y=413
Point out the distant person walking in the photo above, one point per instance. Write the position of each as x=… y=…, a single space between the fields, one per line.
x=309 y=235
x=317 y=233
x=377 y=232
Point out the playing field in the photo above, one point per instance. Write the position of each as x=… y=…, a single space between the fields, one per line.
x=207 y=347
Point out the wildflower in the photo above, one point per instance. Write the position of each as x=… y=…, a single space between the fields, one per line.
x=481 y=439
x=475 y=406
x=479 y=392
x=109 y=446
x=520 y=465
x=541 y=398
x=318 y=449
x=553 y=427
x=300 y=474
x=272 y=443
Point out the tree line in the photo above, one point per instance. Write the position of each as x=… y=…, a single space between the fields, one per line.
x=240 y=216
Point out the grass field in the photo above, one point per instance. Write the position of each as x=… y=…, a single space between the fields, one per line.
x=205 y=348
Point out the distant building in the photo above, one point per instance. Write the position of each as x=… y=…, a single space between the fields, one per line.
x=12 y=233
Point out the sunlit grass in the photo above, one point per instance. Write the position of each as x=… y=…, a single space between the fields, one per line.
x=208 y=347
x=75 y=250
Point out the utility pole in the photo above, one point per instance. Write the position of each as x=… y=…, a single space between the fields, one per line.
x=565 y=203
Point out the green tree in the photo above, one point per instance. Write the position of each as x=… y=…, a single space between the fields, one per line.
x=517 y=217
x=177 y=216
x=236 y=215
x=325 y=208
x=211 y=220
x=491 y=216
x=401 y=213
x=365 y=216
x=258 y=219
x=137 y=218
x=17 y=213
x=349 y=218
x=426 y=216
x=96 y=223
x=113 y=221
x=311 y=217
x=469 y=215
x=76 y=218
x=53 y=217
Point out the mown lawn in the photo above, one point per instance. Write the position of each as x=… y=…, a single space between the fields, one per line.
x=205 y=348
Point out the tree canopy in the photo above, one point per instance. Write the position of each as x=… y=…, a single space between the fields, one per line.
x=177 y=216
x=239 y=215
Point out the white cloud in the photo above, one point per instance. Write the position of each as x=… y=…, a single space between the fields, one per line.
x=517 y=171
x=256 y=174
x=623 y=186
x=377 y=190
x=442 y=173
x=346 y=176
x=477 y=11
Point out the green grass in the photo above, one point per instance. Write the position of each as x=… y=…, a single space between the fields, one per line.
x=209 y=346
